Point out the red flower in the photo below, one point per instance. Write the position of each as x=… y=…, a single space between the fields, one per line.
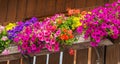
x=71 y=51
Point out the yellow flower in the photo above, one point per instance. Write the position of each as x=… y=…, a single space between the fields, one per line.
x=76 y=22
x=10 y=26
x=89 y=12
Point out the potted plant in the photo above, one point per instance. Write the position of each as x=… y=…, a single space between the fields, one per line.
x=102 y=23
x=4 y=41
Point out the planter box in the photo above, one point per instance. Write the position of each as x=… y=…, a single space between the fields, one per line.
x=80 y=44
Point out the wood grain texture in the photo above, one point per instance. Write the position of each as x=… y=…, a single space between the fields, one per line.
x=67 y=58
x=100 y=2
x=60 y=6
x=82 y=56
x=15 y=61
x=3 y=62
x=11 y=15
x=54 y=58
x=80 y=3
x=16 y=10
x=90 y=3
x=41 y=59
x=40 y=9
x=110 y=1
x=31 y=8
x=70 y=4
x=3 y=10
x=21 y=10
x=113 y=54
x=50 y=7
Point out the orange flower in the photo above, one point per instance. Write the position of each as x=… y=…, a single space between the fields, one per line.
x=76 y=11
x=71 y=36
x=59 y=21
x=64 y=37
x=54 y=27
x=69 y=31
x=64 y=30
x=83 y=12
x=70 y=11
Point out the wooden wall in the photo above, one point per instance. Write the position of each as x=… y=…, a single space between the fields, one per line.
x=108 y=55
x=15 y=10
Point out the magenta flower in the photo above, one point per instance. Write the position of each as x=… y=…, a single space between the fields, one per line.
x=93 y=44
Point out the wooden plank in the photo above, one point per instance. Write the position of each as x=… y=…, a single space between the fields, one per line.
x=41 y=59
x=3 y=10
x=54 y=58
x=60 y=6
x=3 y=62
x=11 y=11
x=26 y=60
x=82 y=53
x=40 y=9
x=113 y=54
x=49 y=7
x=97 y=55
x=31 y=7
x=70 y=4
x=94 y=56
x=80 y=3
x=21 y=11
x=67 y=58
x=100 y=2
x=110 y=1
x=89 y=55
x=90 y=3
x=15 y=61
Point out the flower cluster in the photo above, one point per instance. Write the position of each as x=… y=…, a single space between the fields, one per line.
x=102 y=23
x=73 y=20
x=19 y=27
x=4 y=41
x=10 y=26
x=51 y=33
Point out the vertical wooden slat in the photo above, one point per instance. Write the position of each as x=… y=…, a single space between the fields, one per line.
x=112 y=54
x=60 y=6
x=80 y=3
x=21 y=9
x=110 y=1
x=82 y=56
x=41 y=59
x=3 y=10
x=70 y=3
x=89 y=55
x=54 y=58
x=90 y=3
x=11 y=11
x=15 y=61
x=67 y=58
x=94 y=56
x=3 y=62
x=40 y=9
x=31 y=6
x=98 y=55
x=50 y=7
x=100 y=2
x=26 y=60
x=75 y=57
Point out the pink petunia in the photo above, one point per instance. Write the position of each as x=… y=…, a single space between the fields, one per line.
x=5 y=52
x=93 y=44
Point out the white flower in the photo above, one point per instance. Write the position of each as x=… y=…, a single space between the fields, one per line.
x=4 y=38
x=2 y=28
